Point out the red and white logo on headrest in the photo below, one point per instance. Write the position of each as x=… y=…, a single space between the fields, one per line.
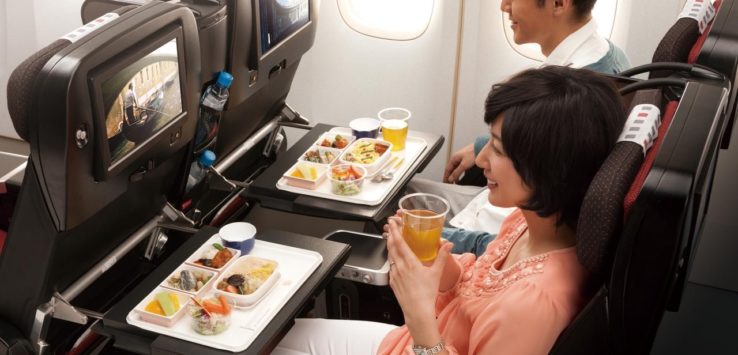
x=642 y=126
x=701 y=11
x=90 y=27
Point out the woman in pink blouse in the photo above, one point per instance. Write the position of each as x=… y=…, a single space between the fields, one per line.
x=550 y=130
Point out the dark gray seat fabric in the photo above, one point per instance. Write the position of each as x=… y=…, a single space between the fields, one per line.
x=601 y=217
x=676 y=45
x=20 y=85
x=23 y=78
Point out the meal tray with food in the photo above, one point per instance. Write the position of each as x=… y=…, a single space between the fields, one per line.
x=371 y=193
x=242 y=324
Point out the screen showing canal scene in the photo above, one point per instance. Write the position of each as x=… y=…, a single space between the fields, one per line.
x=141 y=99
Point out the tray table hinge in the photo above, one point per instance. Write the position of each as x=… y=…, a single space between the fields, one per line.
x=56 y=308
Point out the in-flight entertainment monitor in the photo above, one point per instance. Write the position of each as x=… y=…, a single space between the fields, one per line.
x=141 y=99
x=138 y=98
x=280 y=19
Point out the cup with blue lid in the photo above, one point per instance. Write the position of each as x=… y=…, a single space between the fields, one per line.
x=238 y=235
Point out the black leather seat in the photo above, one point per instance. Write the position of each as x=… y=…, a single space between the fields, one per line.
x=68 y=219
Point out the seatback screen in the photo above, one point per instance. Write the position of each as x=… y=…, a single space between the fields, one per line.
x=281 y=18
x=141 y=99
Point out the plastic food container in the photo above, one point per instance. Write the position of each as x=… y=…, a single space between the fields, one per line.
x=347 y=179
x=216 y=320
x=190 y=279
x=306 y=175
x=150 y=310
x=330 y=140
x=367 y=152
x=321 y=155
x=207 y=257
x=250 y=275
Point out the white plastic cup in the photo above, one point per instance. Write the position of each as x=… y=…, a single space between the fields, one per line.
x=394 y=122
x=238 y=235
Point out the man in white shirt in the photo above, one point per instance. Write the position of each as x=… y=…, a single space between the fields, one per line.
x=130 y=103
x=568 y=36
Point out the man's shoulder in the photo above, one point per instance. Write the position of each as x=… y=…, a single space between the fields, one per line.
x=613 y=62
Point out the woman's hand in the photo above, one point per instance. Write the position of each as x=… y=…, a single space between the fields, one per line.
x=415 y=285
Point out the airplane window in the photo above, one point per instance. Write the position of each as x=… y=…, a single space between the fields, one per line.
x=603 y=13
x=400 y=20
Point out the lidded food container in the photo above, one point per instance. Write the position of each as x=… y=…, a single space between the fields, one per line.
x=368 y=153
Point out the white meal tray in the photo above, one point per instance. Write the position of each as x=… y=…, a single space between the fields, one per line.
x=372 y=193
x=295 y=266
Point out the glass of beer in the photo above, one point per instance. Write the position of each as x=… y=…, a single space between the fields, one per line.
x=422 y=222
x=394 y=126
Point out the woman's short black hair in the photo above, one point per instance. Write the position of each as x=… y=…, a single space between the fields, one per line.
x=559 y=125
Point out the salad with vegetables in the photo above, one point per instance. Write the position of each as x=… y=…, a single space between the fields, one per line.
x=210 y=316
x=347 y=179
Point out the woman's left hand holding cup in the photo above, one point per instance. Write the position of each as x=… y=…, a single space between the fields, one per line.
x=415 y=285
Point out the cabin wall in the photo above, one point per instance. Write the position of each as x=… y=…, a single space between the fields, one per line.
x=348 y=75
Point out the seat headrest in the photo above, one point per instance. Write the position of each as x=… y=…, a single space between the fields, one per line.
x=23 y=78
x=20 y=85
x=601 y=217
x=682 y=36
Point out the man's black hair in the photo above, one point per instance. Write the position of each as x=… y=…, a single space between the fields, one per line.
x=583 y=7
x=559 y=125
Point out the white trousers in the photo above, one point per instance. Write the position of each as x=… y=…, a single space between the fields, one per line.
x=333 y=337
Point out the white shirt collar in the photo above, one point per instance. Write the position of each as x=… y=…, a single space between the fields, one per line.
x=583 y=47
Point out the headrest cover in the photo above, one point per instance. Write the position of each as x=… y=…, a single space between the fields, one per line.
x=701 y=11
x=642 y=126
x=83 y=31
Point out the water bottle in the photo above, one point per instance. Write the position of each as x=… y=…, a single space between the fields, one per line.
x=199 y=169
x=211 y=106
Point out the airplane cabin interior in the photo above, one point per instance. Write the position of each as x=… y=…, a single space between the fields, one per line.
x=133 y=202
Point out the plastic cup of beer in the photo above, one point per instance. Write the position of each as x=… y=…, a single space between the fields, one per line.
x=394 y=122
x=422 y=222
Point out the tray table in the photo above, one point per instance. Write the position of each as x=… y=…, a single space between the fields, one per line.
x=372 y=193
x=295 y=266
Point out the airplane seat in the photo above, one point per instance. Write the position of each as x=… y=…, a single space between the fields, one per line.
x=683 y=41
x=20 y=88
x=89 y=160
x=637 y=238
x=600 y=223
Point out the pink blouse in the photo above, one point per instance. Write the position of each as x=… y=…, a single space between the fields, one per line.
x=519 y=310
